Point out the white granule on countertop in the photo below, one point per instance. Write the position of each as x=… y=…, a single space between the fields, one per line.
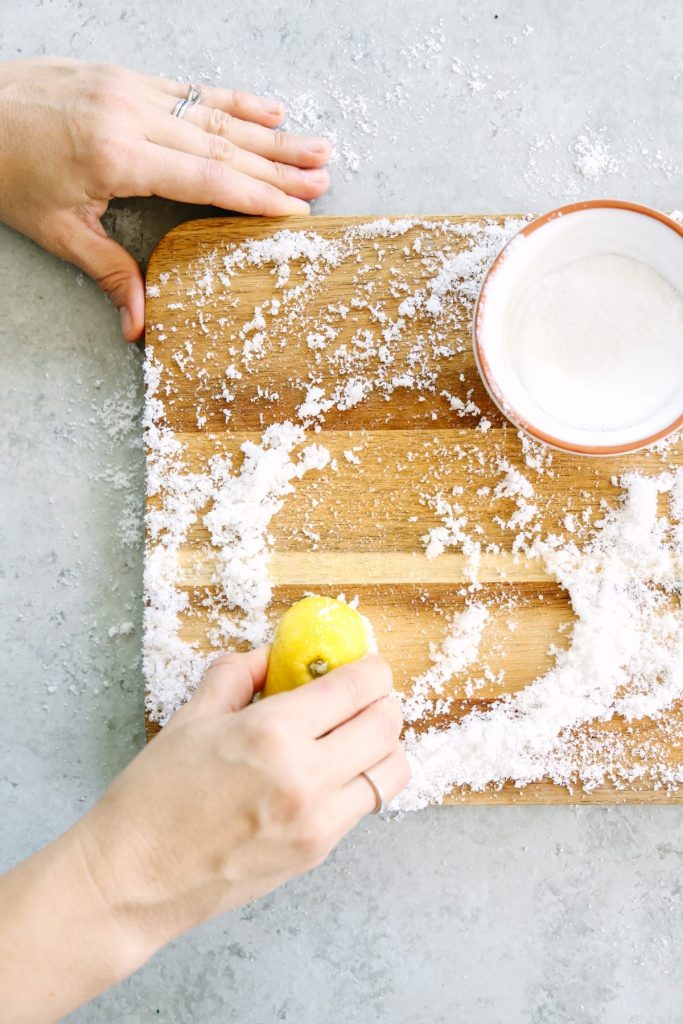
x=593 y=156
x=405 y=335
x=349 y=138
x=123 y=629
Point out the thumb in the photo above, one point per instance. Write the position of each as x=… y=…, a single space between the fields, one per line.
x=115 y=271
x=228 y=685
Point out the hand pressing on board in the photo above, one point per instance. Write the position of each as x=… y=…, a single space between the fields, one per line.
x=73 y=136
x=229 y=801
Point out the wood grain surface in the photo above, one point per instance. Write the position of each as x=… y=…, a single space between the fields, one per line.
x=358 y=529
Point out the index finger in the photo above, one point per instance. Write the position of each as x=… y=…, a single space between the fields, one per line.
x=335 y=698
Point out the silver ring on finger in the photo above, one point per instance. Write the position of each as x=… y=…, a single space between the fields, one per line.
x=377 y=790
x=194 y=95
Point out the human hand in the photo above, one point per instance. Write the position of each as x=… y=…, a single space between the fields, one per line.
x=231 y=799
x=73 y=136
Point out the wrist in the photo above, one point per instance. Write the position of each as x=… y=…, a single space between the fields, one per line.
x=60 y=942
x=136 y=881
x=10 y=144
x=125 y=946
x=109 y=860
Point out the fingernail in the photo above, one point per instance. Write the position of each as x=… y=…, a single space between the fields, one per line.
x=126 y=322
x=299 y=206
x=272 y=107
x=318 y=146
x=316 y=177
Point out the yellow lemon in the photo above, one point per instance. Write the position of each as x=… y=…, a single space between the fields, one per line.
x=314 y=636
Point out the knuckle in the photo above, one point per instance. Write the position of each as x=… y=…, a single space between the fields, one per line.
x=354 y=684
x=107 y=89
x=99 y=144
x=281 y=142
x=283 y=173
x=221 y=149
x=111 y=281
x=218 y=122
x=123 y=102
x=388 y=721
x=98 y=80
x=222 y=660
x=361 y=679
x=252 y=726
x=297 y=797
x=270 y=735
x=209 y=174
x=238 y=99
x=104 y=166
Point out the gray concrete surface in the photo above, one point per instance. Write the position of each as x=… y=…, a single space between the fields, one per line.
x=480 y=916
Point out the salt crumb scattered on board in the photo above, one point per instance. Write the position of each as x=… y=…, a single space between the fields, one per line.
x=624 y=658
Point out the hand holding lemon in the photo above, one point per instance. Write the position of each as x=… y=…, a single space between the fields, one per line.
x=314 y=637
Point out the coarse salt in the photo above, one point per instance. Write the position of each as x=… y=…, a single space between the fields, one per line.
x=598 y=343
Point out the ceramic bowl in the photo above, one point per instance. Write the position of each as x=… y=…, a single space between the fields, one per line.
x=547 y=244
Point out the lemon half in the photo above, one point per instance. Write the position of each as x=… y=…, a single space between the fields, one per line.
x=315 y=636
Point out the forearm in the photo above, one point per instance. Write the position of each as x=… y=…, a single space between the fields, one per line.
x=228 y=802
x=60 y=944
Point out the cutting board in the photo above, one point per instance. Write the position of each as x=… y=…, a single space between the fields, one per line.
x=357 y=530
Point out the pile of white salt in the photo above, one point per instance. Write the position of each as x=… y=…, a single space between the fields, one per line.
x=598 y=343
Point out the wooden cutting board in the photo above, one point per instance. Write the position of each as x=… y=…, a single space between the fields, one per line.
x=358 y=530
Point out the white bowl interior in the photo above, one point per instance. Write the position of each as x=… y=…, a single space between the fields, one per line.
x=554 y=244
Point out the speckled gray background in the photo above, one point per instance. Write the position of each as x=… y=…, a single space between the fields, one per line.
x=480 y=916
